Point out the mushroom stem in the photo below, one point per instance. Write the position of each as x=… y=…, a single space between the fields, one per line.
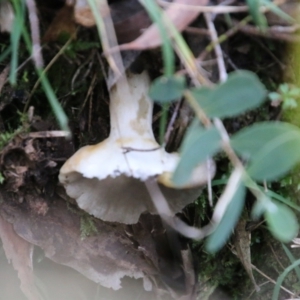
x=131 y=111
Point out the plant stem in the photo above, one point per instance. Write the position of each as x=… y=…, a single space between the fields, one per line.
x=156 y=16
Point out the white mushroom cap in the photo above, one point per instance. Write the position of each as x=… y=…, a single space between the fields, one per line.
x=99 y=179
x=112 y=158
x=107 y=179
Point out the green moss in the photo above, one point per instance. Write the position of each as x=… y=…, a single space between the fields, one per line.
x=87 y=223
x=87 y=226
x=292 y=115
x=290 y=183
x=7 y=136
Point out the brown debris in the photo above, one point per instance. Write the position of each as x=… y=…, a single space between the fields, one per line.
x=62 y=25
x=3 y=77
x=130 y=20
x=104 y=257
x=242 y=241
x=19 y=252
x=180 y=18
x=6 y=16
x=24 y=156
x=42 y=214
x=15 y=176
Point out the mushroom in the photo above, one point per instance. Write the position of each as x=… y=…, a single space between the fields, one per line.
x=107 y=179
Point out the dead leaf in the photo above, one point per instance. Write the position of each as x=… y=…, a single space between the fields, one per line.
x=3 y=76
x=104 y=258
x=291 y=8
x=130 y=20
x=25 y=161
x=83 y=14
x=19 y=252
x=37 y=204
x=242 y=241
x=190 y=278
x=62 y=26
x=15 y=177
x=180 y=18
x=6 y=16
x=30 y=150
x=144 y=250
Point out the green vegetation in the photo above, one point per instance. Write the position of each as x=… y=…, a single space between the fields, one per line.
x=256 y=157
x=87 y=226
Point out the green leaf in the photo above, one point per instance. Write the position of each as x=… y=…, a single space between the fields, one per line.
x=272 y=148
x=282 y=222
x=257 y=16
x=292 y=259
x=274 y=96
x=224 y=229
x=258 y=210
x=15 y=37
x=249 y=141
x=283 y=200
x=278 y=11
x=289 y=103
x=284 y=88
x=242 y=91
x=5 y=53
x=294 y=92
x=197 y=146
x=166 y=89
x=262 y=204
x=55 y=105
x=282 y=277
x=276 y=158
x=155 y=13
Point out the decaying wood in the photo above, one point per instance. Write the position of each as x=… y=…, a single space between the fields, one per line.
x=19 y=252
x=139 y=251
x=242 y=241
x=104 y=258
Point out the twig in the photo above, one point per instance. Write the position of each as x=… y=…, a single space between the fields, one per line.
x=218 y=9
x=171 y=123
x=197 y=109
x=234 y=159
x=262 y=45
x=271 y=280
x=226 y=144
x=54 y=59
x=106 y=32
x=217 y=47
x=209 y=186
x=91 y=104
x=30 y=114
x=35 y=34
x=274 y=32
x=276 y=257
x=91 y=87
x=226 y=197
x=90 y=63
x=254 y=291
x=230 y=62
x=167 y=215
x=195 y=30
x=3 y=77
x=194 y=70
x=222 y=38
x=46 y=134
